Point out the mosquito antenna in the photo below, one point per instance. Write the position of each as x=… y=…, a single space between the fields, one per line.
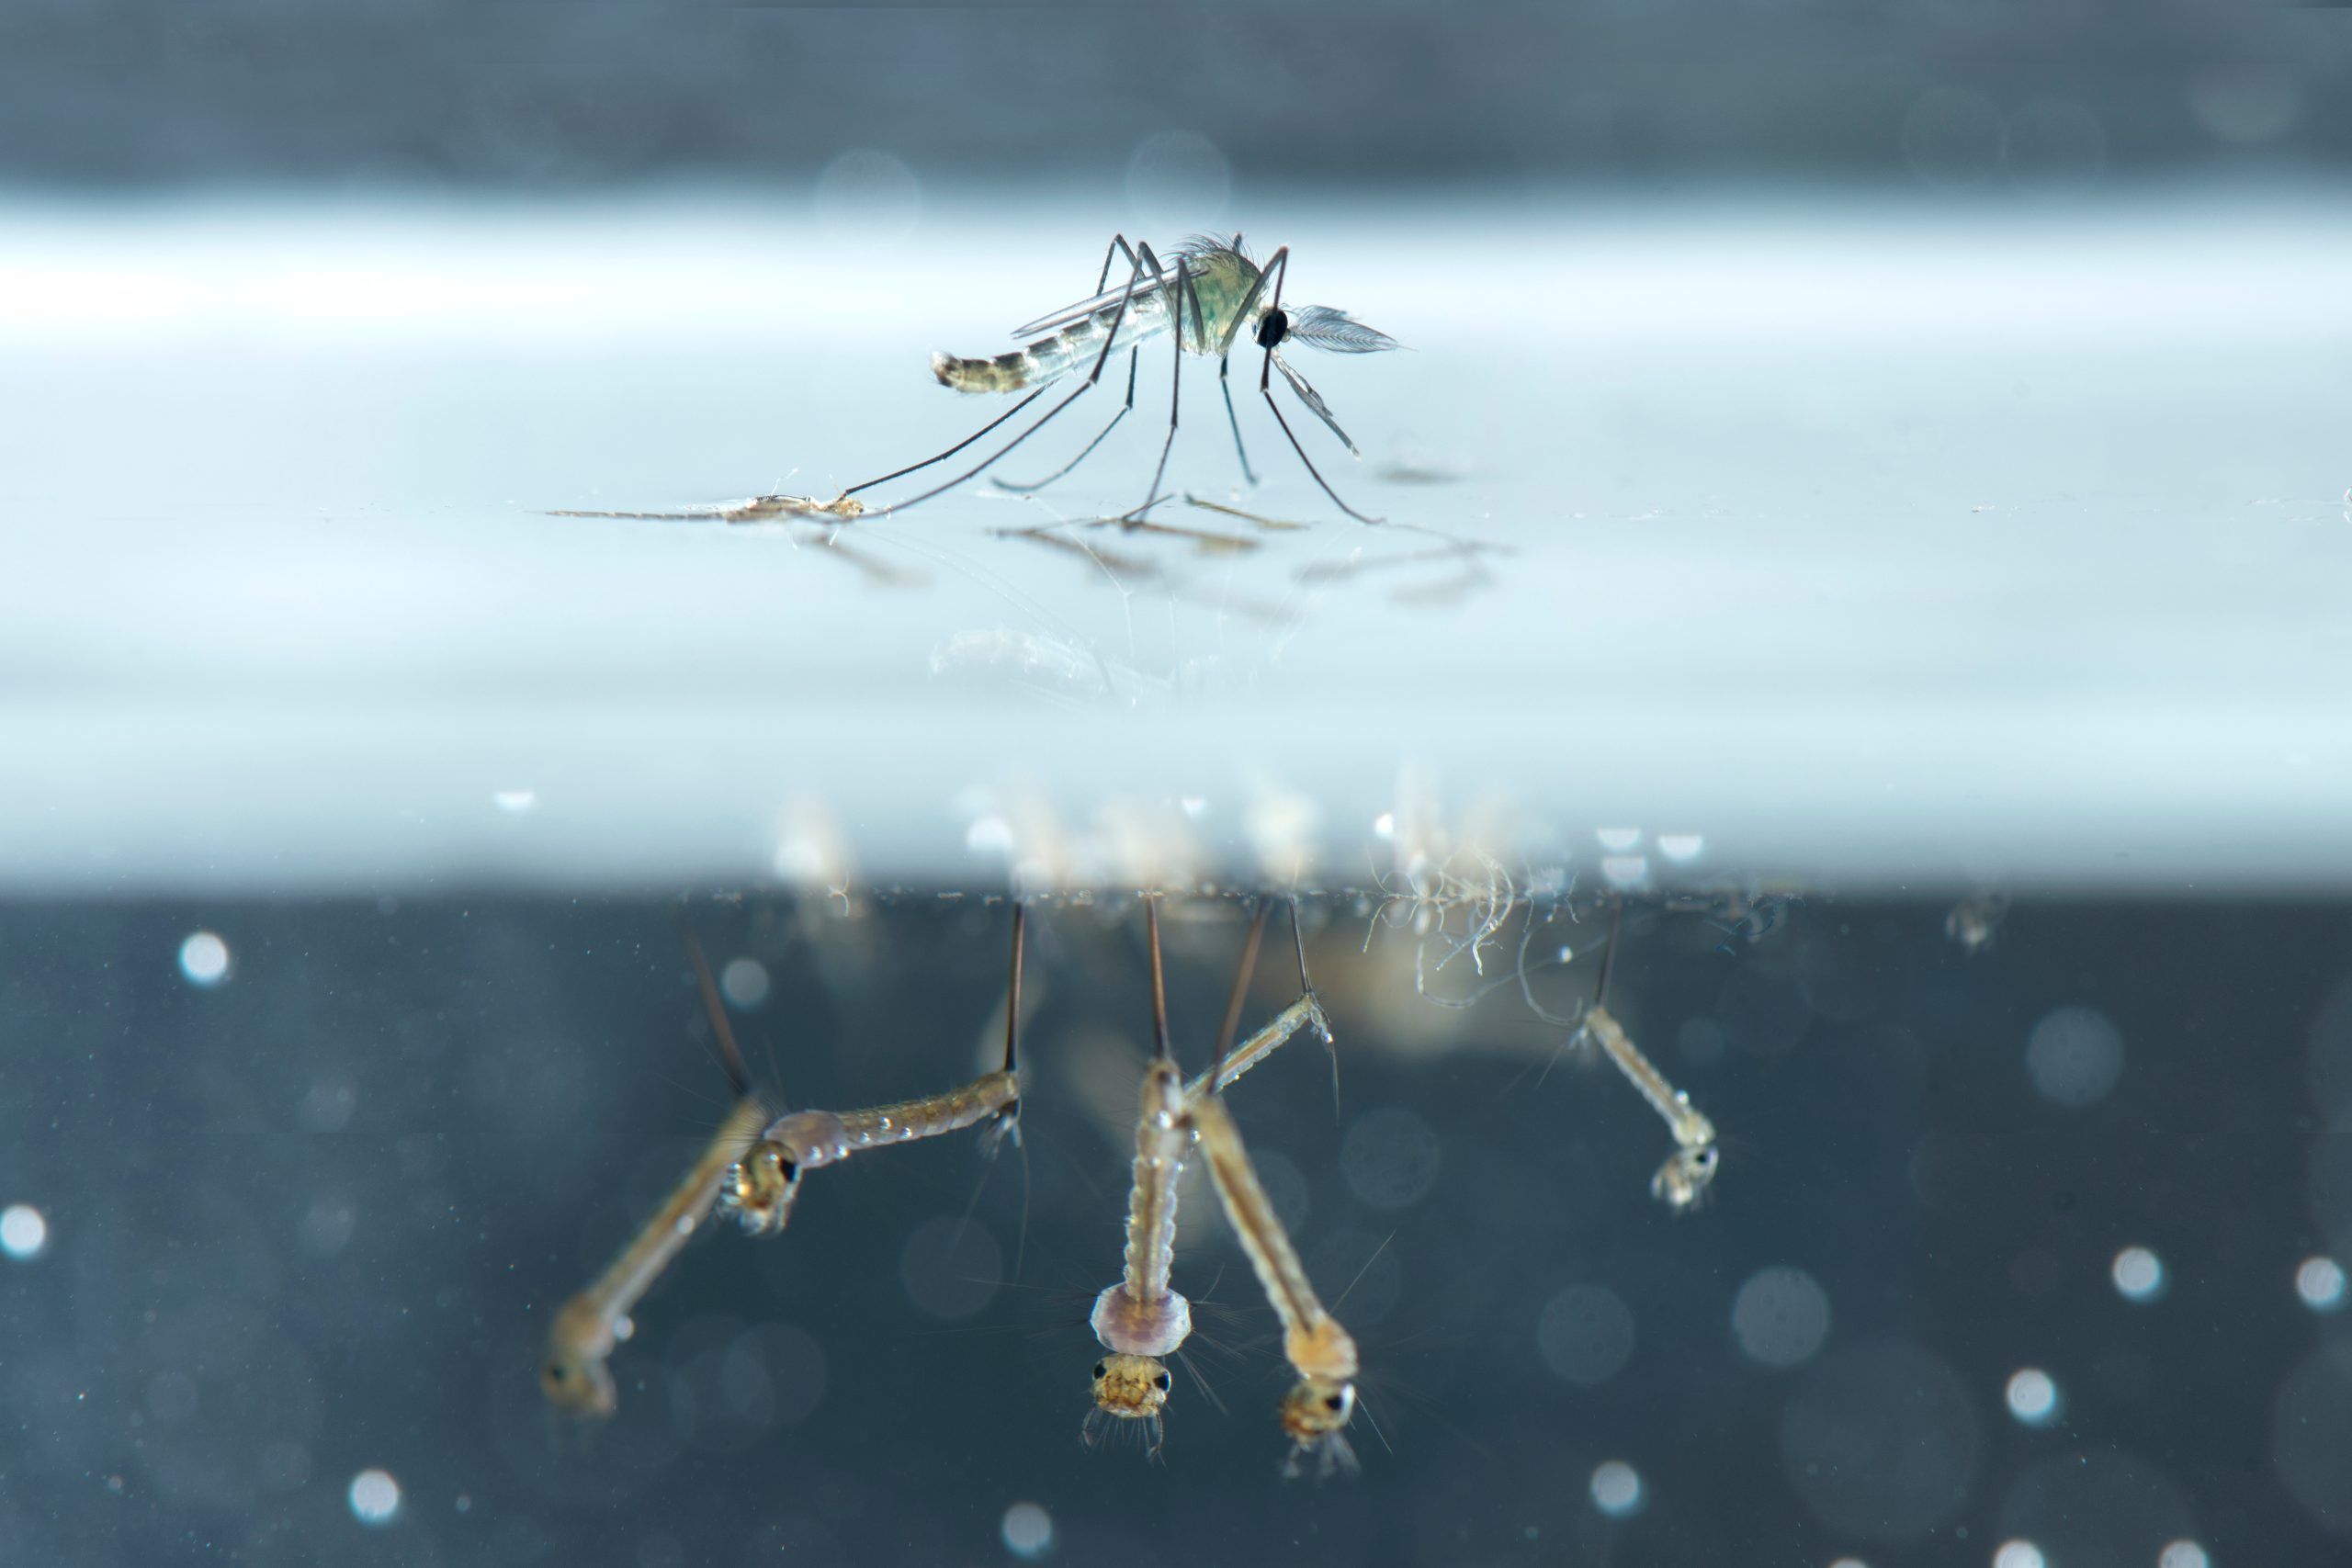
x=730 y=1054
x=1161 y=1051
x=1241 y=983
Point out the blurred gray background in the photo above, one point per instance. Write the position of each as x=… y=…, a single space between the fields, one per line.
x=546 y=96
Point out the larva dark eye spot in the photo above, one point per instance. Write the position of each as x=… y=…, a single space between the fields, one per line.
x=1101 y=1372
x=1162 y=1381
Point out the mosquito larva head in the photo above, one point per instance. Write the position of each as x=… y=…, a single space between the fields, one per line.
x=1133 y=1388
x=1316 y=1409
x=1683 y=1180
x=1315 y=1413
x=578 y=1383
x=760 y=1188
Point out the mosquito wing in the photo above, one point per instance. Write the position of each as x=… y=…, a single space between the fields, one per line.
x=1147 y=287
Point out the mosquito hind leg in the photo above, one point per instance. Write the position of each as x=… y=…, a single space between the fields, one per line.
x=1144 y=258
x=1087 y=451
x=1176 y=387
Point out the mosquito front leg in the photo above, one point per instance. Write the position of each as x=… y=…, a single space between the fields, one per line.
x=1272 y=329
x=1088 y=450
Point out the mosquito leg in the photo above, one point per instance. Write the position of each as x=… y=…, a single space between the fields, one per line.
x=1086 y=452
x=1176 y=387
x=1143 y=259
x=1118 y=246
x=1309 y=462
x=1225 y=385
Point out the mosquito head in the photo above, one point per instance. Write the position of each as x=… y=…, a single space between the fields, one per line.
x=1133 y=1388
x=1319 y=326
x=578 y=1383
x=760 y=1188
x=574 y=1377
x=1683 y=1180
x=1316 y=1409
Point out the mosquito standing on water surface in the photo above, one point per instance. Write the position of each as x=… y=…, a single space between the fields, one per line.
x=1208 y=293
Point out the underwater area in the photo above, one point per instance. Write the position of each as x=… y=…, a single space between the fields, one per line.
x=2030 y=1241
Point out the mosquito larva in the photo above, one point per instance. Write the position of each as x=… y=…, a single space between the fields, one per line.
x=1143 y=1318
x=753 y=1167
x=574 y=1376
x=1315 y=1412
x=763 y=1186
x=1683 y=1178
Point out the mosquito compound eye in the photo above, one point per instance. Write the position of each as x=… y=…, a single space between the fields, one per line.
x=1101 y=1372
x=1161 y=1382
x=1335 y=1402
x=1273 y=329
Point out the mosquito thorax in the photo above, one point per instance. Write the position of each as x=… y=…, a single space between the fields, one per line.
x=1272 y=327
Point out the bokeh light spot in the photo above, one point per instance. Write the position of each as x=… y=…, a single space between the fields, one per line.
x=204 y=958
x=375 y=1497
x=1389 y=1158
x=2320 y=1280
x=1177 y=180
x=1616 y=1488
x=745 y=981
x=2074 y=1057
x=1028 y=1531
x=1880 y=1440
x=1585 y=1333
x=1781 y=1316
x=2032 y=1397
x=24 y=1234
x=868 y=196
x=2139 y=1274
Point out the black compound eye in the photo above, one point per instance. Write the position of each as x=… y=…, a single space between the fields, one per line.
x=1102 y=1370
x=1272 y=328
x=1335 y=1402
x=1161 y=1382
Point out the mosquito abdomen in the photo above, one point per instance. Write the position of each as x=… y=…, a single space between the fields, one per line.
x=1074 y=348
